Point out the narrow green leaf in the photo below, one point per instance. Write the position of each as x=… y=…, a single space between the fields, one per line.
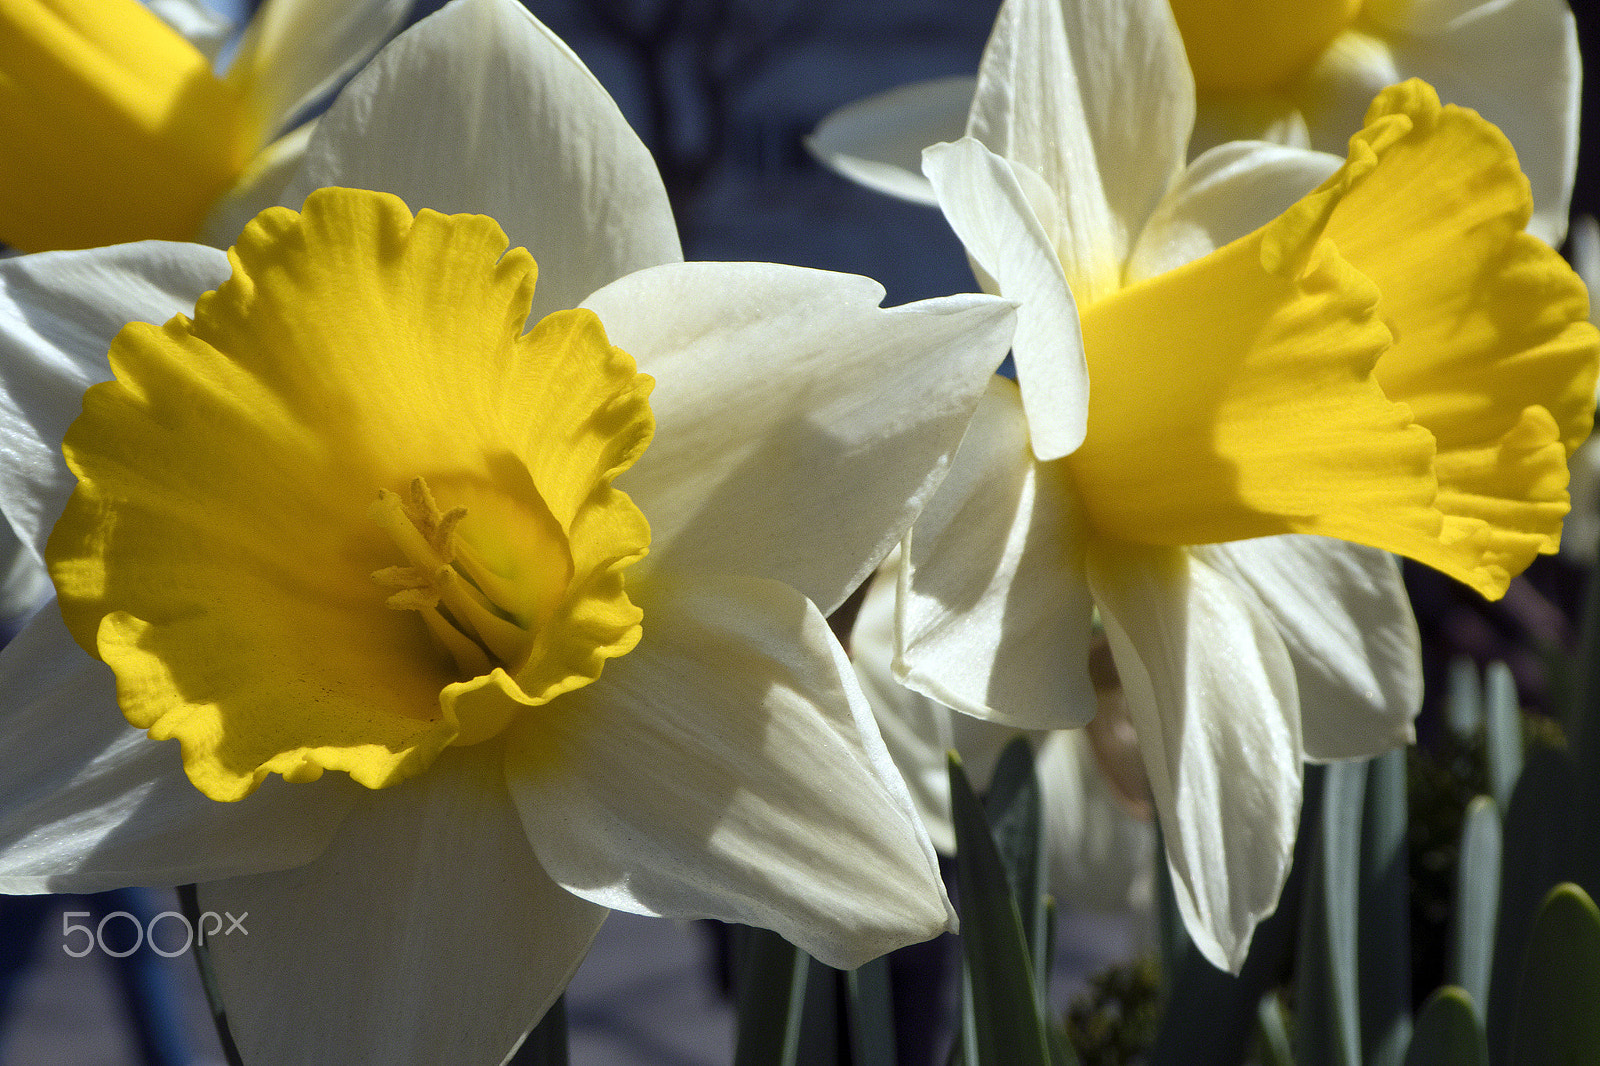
x=1274 y=1034
x=1557 y=1019
x=1007 y=1026
x=1502 y=727
x=872 y=1040
x=1477 y=905
x=772 y=977
x=1449 y=1032
x=1463 y=699
x=546 y=1045
x=1536 y=844
x=1014 y=810
x=1328 y=1013
x=1385 y=911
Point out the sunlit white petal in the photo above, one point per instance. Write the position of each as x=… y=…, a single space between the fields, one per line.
x=530 y=137
x=1211 y=691
x=994 y=611
x=1344 y=614
x=842 y=418
x=987 y=205
x=729 y=767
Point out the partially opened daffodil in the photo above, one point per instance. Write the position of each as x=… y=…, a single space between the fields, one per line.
x=117 y=128
x=1212 y=363
x=1296 y=72
x=473 y=557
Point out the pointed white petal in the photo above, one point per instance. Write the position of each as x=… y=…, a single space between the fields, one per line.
x=258 y=188
x=984 y=198
x=1516 y=63
x=1228 y=192
x=58 y=313
x=878 y=142
x=1345 y=617
x=994 y=612
x=845 y=415
x=1058 y=89
x=294 y=52
x=426 y=933
x=729 y=767
x=916 y=730
x=88 y=803
x=479 y=108
x=1211 y=692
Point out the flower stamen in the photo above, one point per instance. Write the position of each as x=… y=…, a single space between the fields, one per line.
x=450 y=587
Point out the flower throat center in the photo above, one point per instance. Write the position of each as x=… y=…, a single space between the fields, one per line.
x=458 y=597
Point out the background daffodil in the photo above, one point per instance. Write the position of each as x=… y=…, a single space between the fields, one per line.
x=117 y=127
x=698 y=745
x=1211 y=362
x=1296 y=73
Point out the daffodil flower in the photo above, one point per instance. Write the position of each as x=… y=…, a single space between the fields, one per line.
x=117 y=128
x=1301 y=74
x=474 y=556
x=1212 y=364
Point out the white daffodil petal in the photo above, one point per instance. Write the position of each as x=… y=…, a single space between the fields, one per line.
x=990 y=210
x=1229 y=192
x=1345 y=617
x=1211 y=692
x=294 y=52
x=258 y=188
x=729 y=767
x=425 y=933
x=917 y=731
x=96 y=804
x=201 y=26
x=58 y=314
x=1516 y=63
x=1056 y=87
x=994 y=612
x=846 y=415
x=533 y=142
x=1099 y=855
x=878 y=142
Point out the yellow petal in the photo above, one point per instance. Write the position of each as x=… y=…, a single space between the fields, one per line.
x=1234 y=398
x=115 y=127
x=1493 y=352
x=220 y=550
